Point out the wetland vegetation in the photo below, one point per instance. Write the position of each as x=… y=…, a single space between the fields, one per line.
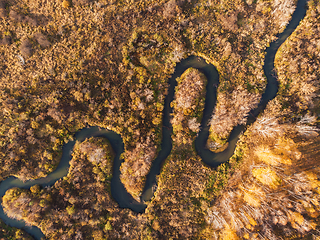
x=67 y=65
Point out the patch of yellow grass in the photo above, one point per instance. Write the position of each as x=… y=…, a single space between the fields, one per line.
x=246 y=236
x=267 y=156
x=66 y=4
x=267 y=176
x=311 y=175
x=296 y=217
x=228 y=234
x=253 y=196
x=287 y=147
x=313 y=181
x=252 y=223
x=251 y=199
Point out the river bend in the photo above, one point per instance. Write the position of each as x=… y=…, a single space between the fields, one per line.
x=118 y=191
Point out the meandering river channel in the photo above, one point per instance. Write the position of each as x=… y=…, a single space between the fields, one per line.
x=119 y=193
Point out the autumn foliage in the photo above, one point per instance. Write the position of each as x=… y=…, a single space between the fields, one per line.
x=70 y=64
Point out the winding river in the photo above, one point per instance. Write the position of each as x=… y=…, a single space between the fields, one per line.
x=124 y=199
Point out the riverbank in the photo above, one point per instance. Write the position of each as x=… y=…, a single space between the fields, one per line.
x=132 y=58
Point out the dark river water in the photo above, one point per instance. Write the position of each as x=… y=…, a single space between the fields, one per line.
x=119 y=193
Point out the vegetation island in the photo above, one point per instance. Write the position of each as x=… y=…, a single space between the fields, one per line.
x=66 y=65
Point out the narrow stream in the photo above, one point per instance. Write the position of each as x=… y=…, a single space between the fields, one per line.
x=124 y=199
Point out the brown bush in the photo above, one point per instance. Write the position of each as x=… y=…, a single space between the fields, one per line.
x=14 y=16
x=3 y=12
x=2 y=4
x=42 y=40
x=170 y=8
x=26 y=48
x=81 y=2
x=6 y=40
x=229 y=22
x=31 y=21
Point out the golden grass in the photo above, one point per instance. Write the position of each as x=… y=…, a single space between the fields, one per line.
x=254 y=196
x=228 y=234
x=267 y=176
x=267 y=156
